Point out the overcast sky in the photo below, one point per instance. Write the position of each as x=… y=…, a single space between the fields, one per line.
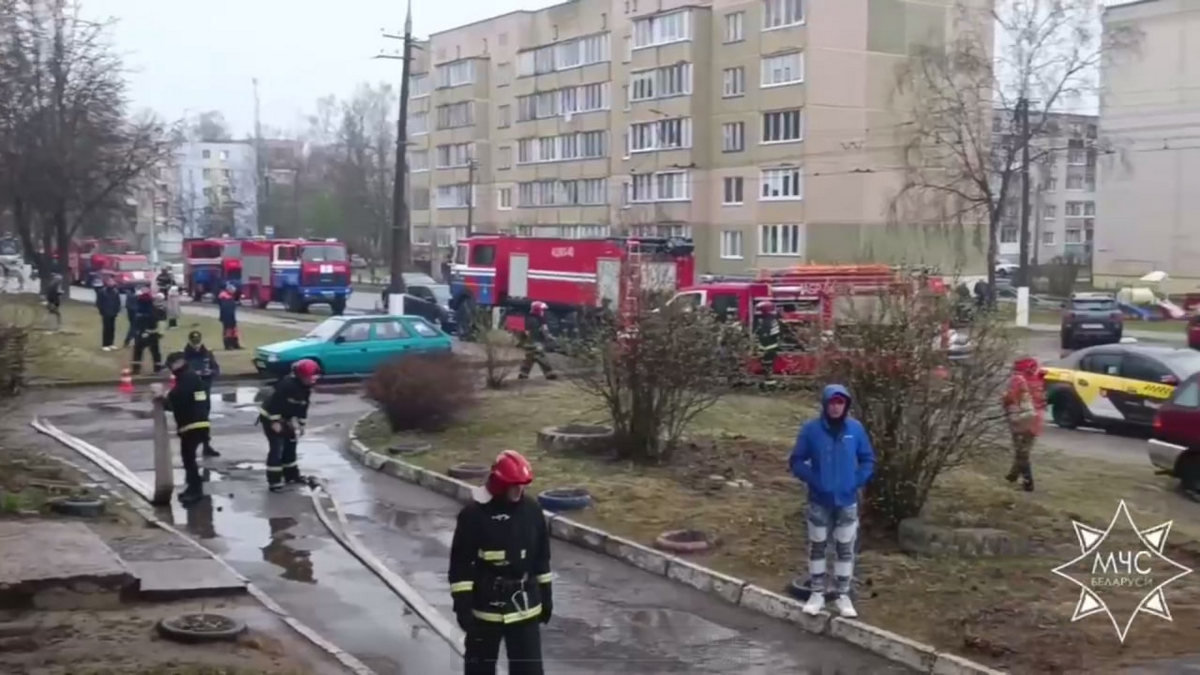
x=187 y=57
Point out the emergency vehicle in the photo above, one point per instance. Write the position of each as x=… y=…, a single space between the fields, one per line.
x=128 y=270
x=210 y=264
x=296 y=272
x=572 y=276
x=87 y=256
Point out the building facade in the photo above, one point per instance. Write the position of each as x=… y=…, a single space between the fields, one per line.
x=214 y=189
x=1149 y=193
x=1062 y=191
x=763 y=129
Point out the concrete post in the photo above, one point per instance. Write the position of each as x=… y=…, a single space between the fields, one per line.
x=1022 y=306
x=164 y=471
x=396 y=304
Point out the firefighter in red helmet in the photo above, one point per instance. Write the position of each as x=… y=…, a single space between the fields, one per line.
x=500 y=571
x=537 y=334
x=283 y=416
x=767 y=332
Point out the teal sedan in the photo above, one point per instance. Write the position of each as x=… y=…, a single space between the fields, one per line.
x=354 y=345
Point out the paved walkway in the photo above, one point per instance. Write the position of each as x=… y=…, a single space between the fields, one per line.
x=609 y=617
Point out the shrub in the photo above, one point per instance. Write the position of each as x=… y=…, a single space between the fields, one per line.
x=498 y=354
x=422 y=393
x=15 y=355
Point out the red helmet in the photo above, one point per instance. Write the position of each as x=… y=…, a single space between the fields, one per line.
x=306 y=370
x=511 y=468
x=538 y=308
x=765 y=307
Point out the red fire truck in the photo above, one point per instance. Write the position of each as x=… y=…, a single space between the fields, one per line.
x=296 y=272
x=210 y=264
x=88 y=256
x=569 y=275
x=128 y=270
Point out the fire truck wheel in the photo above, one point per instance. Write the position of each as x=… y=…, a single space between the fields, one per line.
x=293 y=303
x=197 y=296
x=338 y=306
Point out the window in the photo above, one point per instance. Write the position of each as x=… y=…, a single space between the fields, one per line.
x=483 y=256
x=455 y=196
x=734 y=82
x=503 y=116
x=356 y=332
x=669 y=134
x=731 y=245
x=582 y=192
x=206 y=154
x=584 y=145
x=662 y=29
x=456 y=115
x=456 y=73
x=782 y=13
x=1049 y=211
x=783 y=69
x=225 y=192
x=662 y=82
x=390 y=330
x=223 y=155
x=1077 y=179
x=422 y=327
x=504 y=199
x=1008 y=234
x=564 y=55
x=734 y=22
x=733 y=190
x=1049 y=184
x=782 y=184
x=665 y=186
x=1048 y=237
x=420 y=199
x=207 y=191
x=504 y=157
x=1188 y=395
x=454 y=155
x=570 y=100
x=1101 y=364
x=418 y=123
x=418 y=85
x=1081 y=208
x=1074 y=235
x=1136 y=367
x=418 y=160
x=733 y=136
x=782 y=126
x=779 y=239
x=206 y=173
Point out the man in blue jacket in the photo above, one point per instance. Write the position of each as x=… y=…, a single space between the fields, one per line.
x=834 y=458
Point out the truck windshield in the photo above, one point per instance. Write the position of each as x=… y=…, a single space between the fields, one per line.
x=325 y=330
x=460 y=254
x=206 y=251
x=330 y=253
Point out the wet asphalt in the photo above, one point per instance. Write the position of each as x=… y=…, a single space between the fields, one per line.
x=609 y=617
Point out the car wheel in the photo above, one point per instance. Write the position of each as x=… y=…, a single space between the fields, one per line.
x=1187 y=468
x=1066 y=413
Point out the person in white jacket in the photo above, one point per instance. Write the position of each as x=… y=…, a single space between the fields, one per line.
x=173 y=307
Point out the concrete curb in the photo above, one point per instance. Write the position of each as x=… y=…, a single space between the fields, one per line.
x=142 y=379
x=891 y=646
x=347 y=660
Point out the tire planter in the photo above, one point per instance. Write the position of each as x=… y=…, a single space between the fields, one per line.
x=196 y=628
x=589 y=439
x=80 y=507
x=469 y=471
x=408 y=448
x=565 y=499
x=685 y=541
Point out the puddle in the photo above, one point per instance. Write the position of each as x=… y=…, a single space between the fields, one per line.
x=250 y=466
x=242 y=398
x=209 y=476
x=297 y=564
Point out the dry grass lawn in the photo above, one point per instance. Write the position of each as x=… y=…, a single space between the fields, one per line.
x=1010 y=612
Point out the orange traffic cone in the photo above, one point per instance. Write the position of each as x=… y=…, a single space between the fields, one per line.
x=125 y=385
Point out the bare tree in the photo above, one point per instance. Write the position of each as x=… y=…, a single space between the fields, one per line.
x=210 y=127
x=68 y=152
x=1047 y=58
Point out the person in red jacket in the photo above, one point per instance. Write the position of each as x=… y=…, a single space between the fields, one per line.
x=1024 y=408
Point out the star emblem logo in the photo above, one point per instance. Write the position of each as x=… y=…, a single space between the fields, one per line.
x=1122 y=569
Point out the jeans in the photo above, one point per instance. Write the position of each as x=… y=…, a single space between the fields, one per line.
x=844 y=523
x=108 y=330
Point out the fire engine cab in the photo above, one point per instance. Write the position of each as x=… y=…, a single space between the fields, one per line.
x=128 y=270
x=210 y=264
x=89 y=257
x=296 y=272
x=500 y=272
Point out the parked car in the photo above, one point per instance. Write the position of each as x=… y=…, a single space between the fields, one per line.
x=354 y=345
x=427 y=298
x=1113 y=385
x=1193 y=331
x=1091 y=318
x=1175 y=436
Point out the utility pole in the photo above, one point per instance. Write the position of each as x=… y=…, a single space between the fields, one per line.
x=261 y=187
x=1023 y=270
x=470 y=195
x=401 y=227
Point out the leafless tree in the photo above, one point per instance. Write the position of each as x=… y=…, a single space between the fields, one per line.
x=1047 y=54
x=67 y=149
x=210 y=127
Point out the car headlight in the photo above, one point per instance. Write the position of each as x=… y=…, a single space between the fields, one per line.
x=272 y=358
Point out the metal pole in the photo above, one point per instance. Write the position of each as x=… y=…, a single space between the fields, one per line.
x=470 y=195
x=401 y=243
x=164 y=470
x=1024 y=262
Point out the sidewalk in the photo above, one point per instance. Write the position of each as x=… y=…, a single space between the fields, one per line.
x=609 y=617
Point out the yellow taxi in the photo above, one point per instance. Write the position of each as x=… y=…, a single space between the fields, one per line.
x=1115 y=385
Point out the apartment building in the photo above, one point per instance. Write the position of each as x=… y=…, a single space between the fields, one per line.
x=1062 y=193
x=761 y=128
x=1149 y=193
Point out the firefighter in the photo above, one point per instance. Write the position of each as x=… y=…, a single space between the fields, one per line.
x=188 y=401
x=204 y=364
x=283 y=416
x=165 y=280
x=227 y=304
x=500 y=571
x=146 y=336
x=766 y=331
x=537 y=334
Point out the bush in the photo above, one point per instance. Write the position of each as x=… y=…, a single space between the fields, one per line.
x=422 y=393
x=498 y=346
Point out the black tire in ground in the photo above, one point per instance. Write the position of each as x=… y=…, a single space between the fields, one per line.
x=564 y=499
x=225 y=629
x=1066 y=413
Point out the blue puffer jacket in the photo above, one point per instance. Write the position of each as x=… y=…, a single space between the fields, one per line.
x=834 y=460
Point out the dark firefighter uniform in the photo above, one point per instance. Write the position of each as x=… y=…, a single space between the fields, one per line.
x=146 y=334
x=537 y=333
x=767 y=332
x=500 y=569
x=188 y=401
x=204 y=363
x=283 y=416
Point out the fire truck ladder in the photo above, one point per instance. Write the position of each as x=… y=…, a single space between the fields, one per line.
x=631 y=300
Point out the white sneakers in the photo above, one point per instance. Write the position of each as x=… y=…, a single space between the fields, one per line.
x=816 y=603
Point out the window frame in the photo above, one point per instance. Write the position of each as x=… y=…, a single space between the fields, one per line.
x=730 y=240
x=797 y=240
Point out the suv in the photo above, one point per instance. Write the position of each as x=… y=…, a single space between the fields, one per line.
x=1175 y=439
x=1091 y=318
x=1193 y=331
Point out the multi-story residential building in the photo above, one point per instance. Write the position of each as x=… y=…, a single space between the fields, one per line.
x=1149 y=194
x=1062 y=190
x=764 y=129
x=215 y=189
